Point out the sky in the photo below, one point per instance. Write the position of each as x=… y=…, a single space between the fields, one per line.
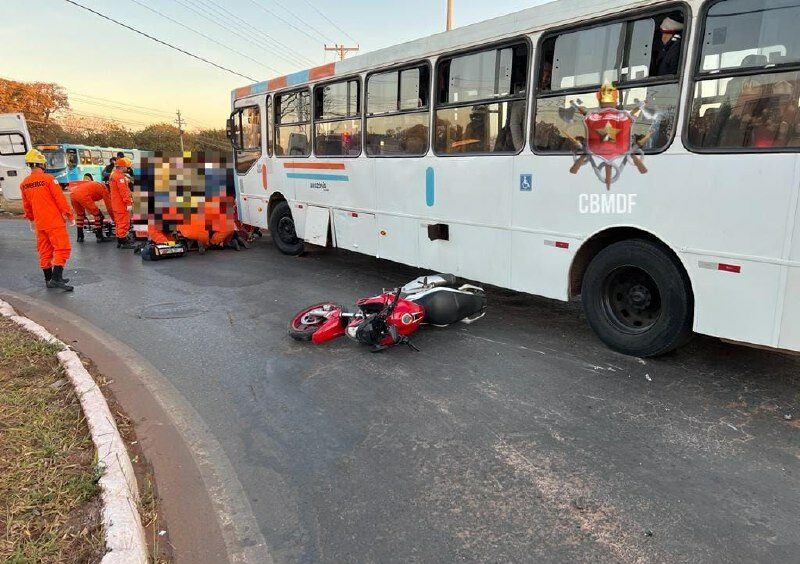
x=103 y=65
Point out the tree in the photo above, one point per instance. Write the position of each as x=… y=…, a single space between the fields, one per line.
x=37 y=100
x=158 y=137
x=214 y=140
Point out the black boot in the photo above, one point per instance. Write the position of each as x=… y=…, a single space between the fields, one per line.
x=124 y=243
x=80 y=234
x=48 y=277
x=57 y=281
x=100 y=237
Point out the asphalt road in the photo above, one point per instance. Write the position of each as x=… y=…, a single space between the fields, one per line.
x=518 y=438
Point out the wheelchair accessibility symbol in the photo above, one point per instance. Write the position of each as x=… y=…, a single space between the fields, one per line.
x=525 y=182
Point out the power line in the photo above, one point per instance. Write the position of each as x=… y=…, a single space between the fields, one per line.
x=287 y=22
x=198 y=57
x=80 y=100
x=327 y=19
x=201 y=34
x=218 y=19
x=300 y=18
x=86 y=99
x=228 y=14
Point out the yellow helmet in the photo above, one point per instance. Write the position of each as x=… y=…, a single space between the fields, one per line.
x=608 y=94
x=35 y=156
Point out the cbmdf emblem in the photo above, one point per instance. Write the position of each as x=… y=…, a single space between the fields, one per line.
x=609 y=143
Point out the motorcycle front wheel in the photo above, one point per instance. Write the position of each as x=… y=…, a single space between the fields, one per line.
x=307 y=321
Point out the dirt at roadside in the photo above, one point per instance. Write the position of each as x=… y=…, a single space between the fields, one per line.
x=155 y=525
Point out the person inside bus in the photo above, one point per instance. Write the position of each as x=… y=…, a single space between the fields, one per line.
x=512 y=137
x=667 y=51
x=109 y=169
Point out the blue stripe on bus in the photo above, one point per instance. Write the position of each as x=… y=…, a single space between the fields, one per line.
x=311 y=176
x=258 y=88
x=430 y=187
x=297 y=78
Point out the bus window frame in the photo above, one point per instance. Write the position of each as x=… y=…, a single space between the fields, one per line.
x=308 y=88
x=400 y=67
x=239 y=148
x=360 y=117
x=21 y=136
x=619 y=17
x=88 y=151
x=267 y=124
x=434 y=93
x=696 y=77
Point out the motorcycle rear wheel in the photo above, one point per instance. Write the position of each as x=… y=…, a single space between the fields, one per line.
x=302 y=326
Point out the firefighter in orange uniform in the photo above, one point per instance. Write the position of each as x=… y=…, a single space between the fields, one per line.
x=121 y=201
x=47 y=208
x=83 y=198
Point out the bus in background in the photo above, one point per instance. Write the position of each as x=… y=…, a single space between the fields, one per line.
x=640 y=154
x=14 y=143
x=68 y=162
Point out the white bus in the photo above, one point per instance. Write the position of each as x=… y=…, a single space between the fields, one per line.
x=500 y=152
x=14 y=143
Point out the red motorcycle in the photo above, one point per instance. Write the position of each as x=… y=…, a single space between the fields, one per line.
x=391 y=317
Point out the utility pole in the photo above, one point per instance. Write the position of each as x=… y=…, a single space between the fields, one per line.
x=180 y=123
x=342 y=50
x=449 y=15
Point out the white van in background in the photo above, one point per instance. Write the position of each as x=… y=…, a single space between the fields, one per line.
x=14 y=143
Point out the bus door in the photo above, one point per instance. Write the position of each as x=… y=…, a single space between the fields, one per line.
x=246 y=130
x=14 y=143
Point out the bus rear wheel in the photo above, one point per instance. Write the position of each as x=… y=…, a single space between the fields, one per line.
x=281 y=227
x=637 y=298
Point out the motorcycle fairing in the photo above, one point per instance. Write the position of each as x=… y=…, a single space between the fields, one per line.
x=332 y=328
x=445 y=306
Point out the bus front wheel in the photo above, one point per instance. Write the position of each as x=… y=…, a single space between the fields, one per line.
x=281 y=227
x=638 y=299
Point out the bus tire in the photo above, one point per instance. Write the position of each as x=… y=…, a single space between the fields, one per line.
x=638 y=299
x=281 y=227
x=88 y=177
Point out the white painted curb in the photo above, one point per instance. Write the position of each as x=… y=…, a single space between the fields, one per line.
x=125 y=540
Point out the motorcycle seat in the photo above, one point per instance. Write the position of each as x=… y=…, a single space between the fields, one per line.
x=445 y=306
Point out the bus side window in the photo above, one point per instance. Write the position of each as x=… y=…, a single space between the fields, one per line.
x=574 y=64
x=481 y=101
x=398 y=112
x=97 y=157
x=736 y=107
x=293 y=124
x=72 y=158
x=86 y=157
x=337 y=119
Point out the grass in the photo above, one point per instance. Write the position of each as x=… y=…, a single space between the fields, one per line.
x=49 y=494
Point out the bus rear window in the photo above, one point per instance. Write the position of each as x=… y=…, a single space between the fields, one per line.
x=12 y=144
